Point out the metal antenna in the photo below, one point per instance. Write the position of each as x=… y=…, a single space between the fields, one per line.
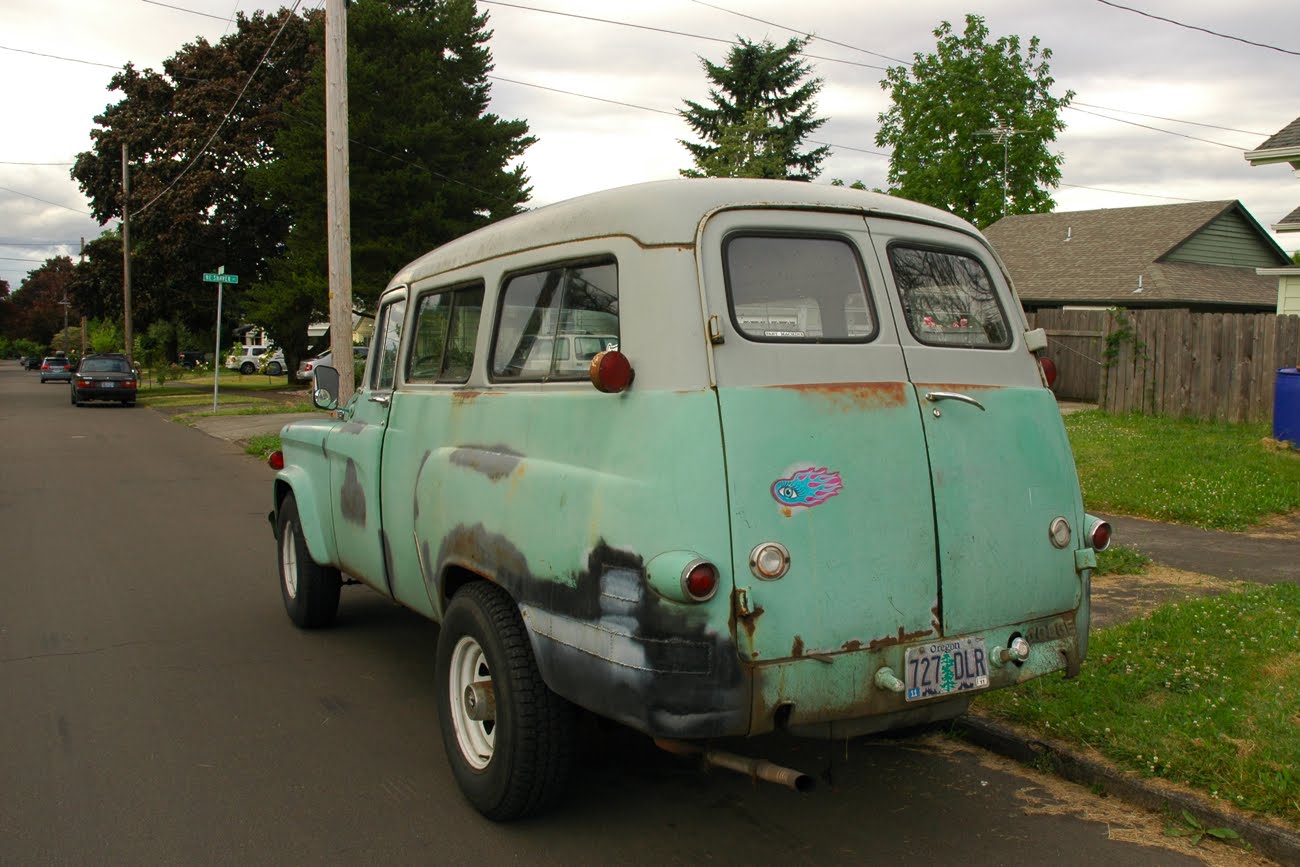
x=1003 y=133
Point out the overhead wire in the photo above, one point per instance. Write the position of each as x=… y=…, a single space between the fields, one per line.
x=1201 y=29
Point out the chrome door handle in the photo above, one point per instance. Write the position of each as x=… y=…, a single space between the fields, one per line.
x=936 y=396
x=383 y=399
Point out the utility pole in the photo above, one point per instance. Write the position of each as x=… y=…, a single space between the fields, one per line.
x=1002 y=134
x=83 y=318
x=126 y=255
x=337 y=194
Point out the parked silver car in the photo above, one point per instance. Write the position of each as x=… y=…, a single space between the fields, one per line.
x=326 y=359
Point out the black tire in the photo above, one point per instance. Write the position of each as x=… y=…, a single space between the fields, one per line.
x=248 y=368
x=518 y=763
x=128 y=403
x=310 y=591
x=274 y=369
x=75 y=402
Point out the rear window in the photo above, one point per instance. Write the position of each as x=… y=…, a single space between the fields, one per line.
x=803 y=289
x=948 y=298
x=103 y=365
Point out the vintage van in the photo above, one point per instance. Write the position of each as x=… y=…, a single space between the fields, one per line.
x=812 y=480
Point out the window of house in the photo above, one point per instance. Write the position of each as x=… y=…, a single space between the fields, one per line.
x=552 y=322
x=797 y=289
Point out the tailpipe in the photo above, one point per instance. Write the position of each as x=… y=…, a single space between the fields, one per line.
x=755 y=769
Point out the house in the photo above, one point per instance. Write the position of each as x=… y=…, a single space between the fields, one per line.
x=1283 y=147
x=1200 y=256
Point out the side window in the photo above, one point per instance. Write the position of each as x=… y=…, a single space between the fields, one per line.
x=797 y=289
x=446 y=328
x=948 y=298
x=551 y=322
x=389 y=342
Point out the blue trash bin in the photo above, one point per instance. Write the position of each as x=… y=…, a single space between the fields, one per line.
x=1286 y=406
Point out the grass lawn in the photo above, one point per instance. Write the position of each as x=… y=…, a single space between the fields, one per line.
x=1204 y=474
x=1203 y=692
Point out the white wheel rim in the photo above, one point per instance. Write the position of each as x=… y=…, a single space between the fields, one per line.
x=289 y=561
x=475 y=738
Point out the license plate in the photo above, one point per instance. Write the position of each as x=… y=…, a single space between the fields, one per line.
x=944 y=667
x=107 y=384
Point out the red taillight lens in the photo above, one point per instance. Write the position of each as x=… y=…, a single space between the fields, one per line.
x=276 y=460
x=611 y=372
x=1100 y=537
x=84 y=383
x=45 y=367
x=1049 y=370
x=700 y=581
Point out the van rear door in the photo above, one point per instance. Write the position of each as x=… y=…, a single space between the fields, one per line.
x=1000 y=462
x=825 y=452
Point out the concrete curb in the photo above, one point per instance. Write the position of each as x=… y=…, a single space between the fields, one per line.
x=1271 y=840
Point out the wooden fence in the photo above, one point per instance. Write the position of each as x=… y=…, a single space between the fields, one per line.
x=1220 y=366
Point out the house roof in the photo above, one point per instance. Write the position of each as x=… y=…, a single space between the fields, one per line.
x=1281 y=146
x=1289 y=223
x=1163 y=255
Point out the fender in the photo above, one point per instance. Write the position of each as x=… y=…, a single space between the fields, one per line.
x=313 y=512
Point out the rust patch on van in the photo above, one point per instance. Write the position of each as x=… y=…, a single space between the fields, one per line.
x=495 y=462
x=797 y=648
x=465 y=396
x=958 y=386
x=352 y=497
x=849 y=396
x=851 y=645
x=787 y=511
x=901 y=638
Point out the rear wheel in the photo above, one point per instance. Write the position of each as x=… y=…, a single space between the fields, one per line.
x=248 y=368
x=310 y=590
x=274 y=369
x=509 y=739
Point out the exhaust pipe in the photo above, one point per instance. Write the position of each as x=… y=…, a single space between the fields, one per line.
x=756 y=769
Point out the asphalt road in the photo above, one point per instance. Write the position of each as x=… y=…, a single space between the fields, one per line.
x=157 y=707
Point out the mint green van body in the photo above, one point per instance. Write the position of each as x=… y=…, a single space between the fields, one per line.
x=836 y=408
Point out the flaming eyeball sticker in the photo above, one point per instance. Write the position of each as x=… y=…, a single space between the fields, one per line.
x=807 y=487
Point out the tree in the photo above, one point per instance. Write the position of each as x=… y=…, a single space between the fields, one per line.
x=191 y=209
x=943 y=110
x=36 y=309
x=762 y=110
x=434 y=164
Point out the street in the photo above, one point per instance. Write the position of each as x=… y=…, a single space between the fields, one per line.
x=159 y=708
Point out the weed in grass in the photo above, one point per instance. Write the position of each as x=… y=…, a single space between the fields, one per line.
x=1121 y=560
x=1196 y=832
x=1204 y=692
x=262 y=445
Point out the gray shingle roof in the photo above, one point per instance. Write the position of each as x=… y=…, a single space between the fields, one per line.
x=1287 y=137
x=1291 y=222
x=1109 y=249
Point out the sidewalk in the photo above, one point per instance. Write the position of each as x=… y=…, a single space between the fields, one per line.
x=240 y=428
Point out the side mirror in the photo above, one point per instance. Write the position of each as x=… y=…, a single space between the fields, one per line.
x=325 y=395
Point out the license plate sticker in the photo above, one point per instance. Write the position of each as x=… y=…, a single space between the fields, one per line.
x=944 y=667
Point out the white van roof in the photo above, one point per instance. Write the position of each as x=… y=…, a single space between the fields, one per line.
x=657 y=213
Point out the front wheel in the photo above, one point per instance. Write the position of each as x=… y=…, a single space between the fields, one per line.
x=509 y=739
x=274 y=369
x=310 y=590
x=248 y=368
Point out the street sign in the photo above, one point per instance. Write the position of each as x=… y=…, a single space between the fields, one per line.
x=220 y=278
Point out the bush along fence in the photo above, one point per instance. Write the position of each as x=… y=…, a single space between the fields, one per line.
x=1215 y=366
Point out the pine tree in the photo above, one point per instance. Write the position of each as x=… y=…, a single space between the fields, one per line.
x=761 y=112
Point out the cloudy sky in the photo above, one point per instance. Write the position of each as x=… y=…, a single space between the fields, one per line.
x=1180 y=106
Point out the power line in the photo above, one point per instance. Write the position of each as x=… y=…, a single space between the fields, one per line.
x=1171 y=119
x=1130 y=193
x=1201 y=29
x=46 y=201
x=183 y=9
x=1156 y=128
x=671 y=32
x=801 y=33
x=57 y=57
x=15 y=163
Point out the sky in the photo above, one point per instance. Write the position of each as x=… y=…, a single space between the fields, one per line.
x=1181 y=105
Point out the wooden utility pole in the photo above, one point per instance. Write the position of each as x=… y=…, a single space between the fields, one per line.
x=337 y=193
x=126 y=255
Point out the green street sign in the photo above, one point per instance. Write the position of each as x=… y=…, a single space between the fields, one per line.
x=220 y=278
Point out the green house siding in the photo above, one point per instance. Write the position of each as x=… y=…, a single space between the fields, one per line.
x=1229 y=239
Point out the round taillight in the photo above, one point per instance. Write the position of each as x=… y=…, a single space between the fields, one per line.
x=611 y=372
x=700 y=580
x=1100 y=536
x=769 y=561
x=276 y=460
x=1049 y=370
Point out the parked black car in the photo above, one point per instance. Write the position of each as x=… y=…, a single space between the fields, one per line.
x=190 y=359
x=104 y=377
x=32 y=362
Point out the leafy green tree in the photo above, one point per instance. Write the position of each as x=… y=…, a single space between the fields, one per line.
x=433 y=166
x=945 y=104
x=36 y=309
x=191 y=209
x=762 y=108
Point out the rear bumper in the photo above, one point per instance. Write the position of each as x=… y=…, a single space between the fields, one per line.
x=118 y=394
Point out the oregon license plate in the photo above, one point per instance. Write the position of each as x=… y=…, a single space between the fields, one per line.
x=945 y=667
